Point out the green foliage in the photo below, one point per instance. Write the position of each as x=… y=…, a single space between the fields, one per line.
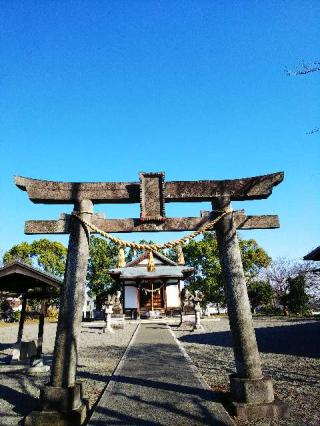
x=260 y=293
x=203 y=255
x=103 y=256
x=44 y=254
x=20 y=251
x=253 y=258
x=297 y=298
x=270 y=309
x=50 y=255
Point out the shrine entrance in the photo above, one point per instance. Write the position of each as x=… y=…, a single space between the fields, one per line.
x=151 y=296
x=251 y=392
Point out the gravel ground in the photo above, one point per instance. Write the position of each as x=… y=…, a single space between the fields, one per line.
x=99 y=355
x=290 y=352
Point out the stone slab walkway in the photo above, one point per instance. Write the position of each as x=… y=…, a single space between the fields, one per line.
x=156 y=384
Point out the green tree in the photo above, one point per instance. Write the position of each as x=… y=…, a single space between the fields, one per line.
x=280 y=274
x=20 y=251
x=297 y=297
x=203 y=255
x=103 y=255
x=50 y=255
x=260 y=293
x=254 y=258
x=47 y=255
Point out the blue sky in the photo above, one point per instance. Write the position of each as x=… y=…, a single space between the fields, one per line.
x=100 y=90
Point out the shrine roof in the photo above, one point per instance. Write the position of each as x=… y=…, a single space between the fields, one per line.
x=162 y=271
x=157 y=256
x=165 y=268
x=313 y=255
x=18 y=277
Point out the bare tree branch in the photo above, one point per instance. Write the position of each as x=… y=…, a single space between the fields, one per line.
x=312 y=131
x=304 y=69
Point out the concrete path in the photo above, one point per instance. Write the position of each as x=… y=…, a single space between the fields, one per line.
x=156 y=384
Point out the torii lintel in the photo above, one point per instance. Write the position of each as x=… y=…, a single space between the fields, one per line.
x=52 y=192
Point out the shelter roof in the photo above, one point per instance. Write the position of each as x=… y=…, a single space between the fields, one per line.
x=17 y=277
x=313 y=255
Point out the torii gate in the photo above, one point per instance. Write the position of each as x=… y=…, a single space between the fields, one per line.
x=252 y=393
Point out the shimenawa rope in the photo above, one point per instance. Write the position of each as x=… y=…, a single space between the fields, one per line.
x=154 y=246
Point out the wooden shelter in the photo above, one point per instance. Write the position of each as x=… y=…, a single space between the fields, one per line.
x=144 y=291
x=19 y=279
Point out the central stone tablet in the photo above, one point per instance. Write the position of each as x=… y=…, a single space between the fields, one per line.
x=152 y=203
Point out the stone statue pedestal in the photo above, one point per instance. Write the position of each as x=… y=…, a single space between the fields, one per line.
x=59 y=406
x=117 y=320
x=23 y=352
x=114 y=313
x=197 y=310
x=108 y=313
x=198 y=325
x=188 y=318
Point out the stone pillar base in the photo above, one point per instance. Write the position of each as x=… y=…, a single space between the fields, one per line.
x=75 y=417
x=59 y=406
x=256 y=391
x=252 y=412
x=251 y=399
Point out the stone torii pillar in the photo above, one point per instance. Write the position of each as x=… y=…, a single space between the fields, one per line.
x=62 y=399
x=251 y=393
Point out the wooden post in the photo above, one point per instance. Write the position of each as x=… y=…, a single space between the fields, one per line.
x=22 y=318
x=123 y=298
x=152 y=296
x=41 y=327
x=138 y=299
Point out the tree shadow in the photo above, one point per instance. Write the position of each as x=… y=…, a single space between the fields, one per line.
x=93 y=376
x=167 y=406
x=23 y=402
x=206 y=394
x=4 y=346
x=296 y=339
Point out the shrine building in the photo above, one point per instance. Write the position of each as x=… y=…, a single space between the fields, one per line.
x=146 y=293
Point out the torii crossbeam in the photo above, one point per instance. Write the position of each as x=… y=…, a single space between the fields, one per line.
x=250 y=391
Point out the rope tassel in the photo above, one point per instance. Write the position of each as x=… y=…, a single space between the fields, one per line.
x=151 y=267
x=180 y=256
x=121 y=258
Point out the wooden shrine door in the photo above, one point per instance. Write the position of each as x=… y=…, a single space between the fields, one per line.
x=151 y=296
